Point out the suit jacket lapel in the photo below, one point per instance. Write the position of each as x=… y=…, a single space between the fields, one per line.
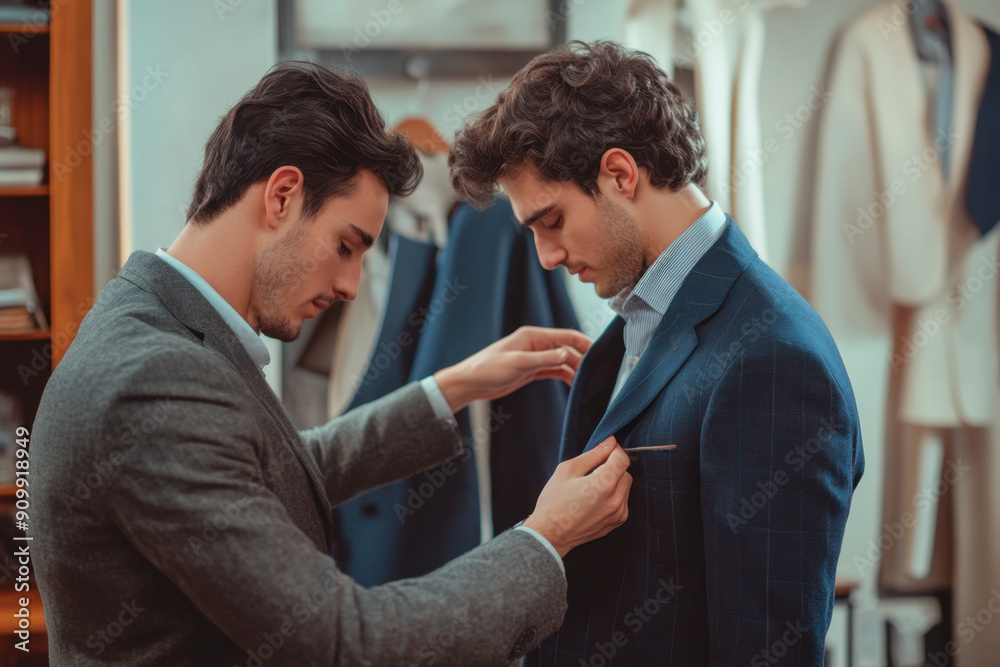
x=265 y=395
x=588 y=397
x=699 y=297
x=192 y=309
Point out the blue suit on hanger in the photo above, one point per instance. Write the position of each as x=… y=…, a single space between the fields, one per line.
x=983 y=195
x=503 y=286
x=729 y=553
x=367 y=525
x=487 y=283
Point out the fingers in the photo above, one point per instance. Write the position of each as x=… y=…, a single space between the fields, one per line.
x=622 y=491
x=572 y=338
x=563 y=354
x=592 y=458
x=541 y=338
x=564 y=373
x=618 y=462
x=618 y=505
x=573 y=356
x=549 y=359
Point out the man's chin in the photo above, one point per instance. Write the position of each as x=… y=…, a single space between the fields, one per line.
x=604 y=290
x=284 y=331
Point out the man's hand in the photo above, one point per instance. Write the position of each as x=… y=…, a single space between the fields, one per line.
x=530 y=353
x=576 y=507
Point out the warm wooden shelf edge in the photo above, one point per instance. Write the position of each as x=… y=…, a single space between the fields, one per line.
x=26 y=28
x=24 y=191
x=842 y=587
x=34 y=335
x=9 y=599
x=10 y=603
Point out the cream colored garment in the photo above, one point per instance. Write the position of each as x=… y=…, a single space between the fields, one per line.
x=909 y=291
x=889 y=231
x=423 y=215
x=652 y=26
x=723 y=42
x=358 y=330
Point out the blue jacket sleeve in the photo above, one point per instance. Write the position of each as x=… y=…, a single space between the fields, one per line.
x=781 y=455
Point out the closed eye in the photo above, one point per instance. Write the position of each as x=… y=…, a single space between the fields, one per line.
x=344 y=250
x=555 y=225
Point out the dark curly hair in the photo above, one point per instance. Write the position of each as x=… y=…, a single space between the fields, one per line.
x=566 y=108
x=305 y=115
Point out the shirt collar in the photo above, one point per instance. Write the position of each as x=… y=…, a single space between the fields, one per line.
x=244 y=332
x=661 y=281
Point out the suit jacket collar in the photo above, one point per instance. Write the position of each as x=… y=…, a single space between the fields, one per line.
x=189 y=306
x=250 y=339
x=698 y=299
x=592 y=386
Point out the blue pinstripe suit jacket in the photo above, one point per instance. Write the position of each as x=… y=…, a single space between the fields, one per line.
x=729 y=553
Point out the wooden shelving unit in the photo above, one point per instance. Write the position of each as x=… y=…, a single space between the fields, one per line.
x=49 y=67
x=24 y=29
x=31 y=335
x=25 y=190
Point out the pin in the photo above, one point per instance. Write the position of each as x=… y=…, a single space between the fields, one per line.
x=648 y=449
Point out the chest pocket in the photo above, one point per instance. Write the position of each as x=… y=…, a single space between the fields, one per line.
x=675 y=468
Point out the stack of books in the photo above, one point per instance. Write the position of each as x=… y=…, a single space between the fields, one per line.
x=20 y=310
x=20 y=166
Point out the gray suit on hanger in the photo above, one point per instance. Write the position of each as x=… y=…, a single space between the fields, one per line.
x=179 y=518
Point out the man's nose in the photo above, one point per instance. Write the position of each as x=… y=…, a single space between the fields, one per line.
x=346 y=286
x=550 y=254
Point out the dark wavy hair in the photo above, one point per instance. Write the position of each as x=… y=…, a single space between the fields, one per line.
x=566 y=108
x=308 y=116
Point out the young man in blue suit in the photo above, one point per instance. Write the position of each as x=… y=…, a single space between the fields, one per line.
x=722 y=379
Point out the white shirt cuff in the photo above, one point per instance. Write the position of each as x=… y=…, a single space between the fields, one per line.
x=438 y=402
x=545 y=543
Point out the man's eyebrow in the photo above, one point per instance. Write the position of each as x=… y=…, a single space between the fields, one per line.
x=366 y=238
x=534 y=217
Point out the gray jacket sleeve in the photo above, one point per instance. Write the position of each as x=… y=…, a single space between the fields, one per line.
x=257 y=575
x=387 y=439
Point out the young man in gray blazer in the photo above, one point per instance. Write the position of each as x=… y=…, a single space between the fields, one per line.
x=179 y=518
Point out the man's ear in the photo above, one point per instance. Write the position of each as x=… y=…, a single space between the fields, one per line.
x=283 y=196
x=619 y=173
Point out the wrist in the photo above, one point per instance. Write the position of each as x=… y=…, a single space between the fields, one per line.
x=549 y=532
x=454 y=387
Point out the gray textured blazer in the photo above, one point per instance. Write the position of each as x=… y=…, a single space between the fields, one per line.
x=180 y=519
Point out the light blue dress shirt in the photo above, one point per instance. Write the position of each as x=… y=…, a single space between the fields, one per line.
x=244 y=332
x=255 y=347
x=643 y=306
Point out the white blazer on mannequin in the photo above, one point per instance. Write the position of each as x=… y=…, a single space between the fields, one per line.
x=908 y=288
x=890 y=231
